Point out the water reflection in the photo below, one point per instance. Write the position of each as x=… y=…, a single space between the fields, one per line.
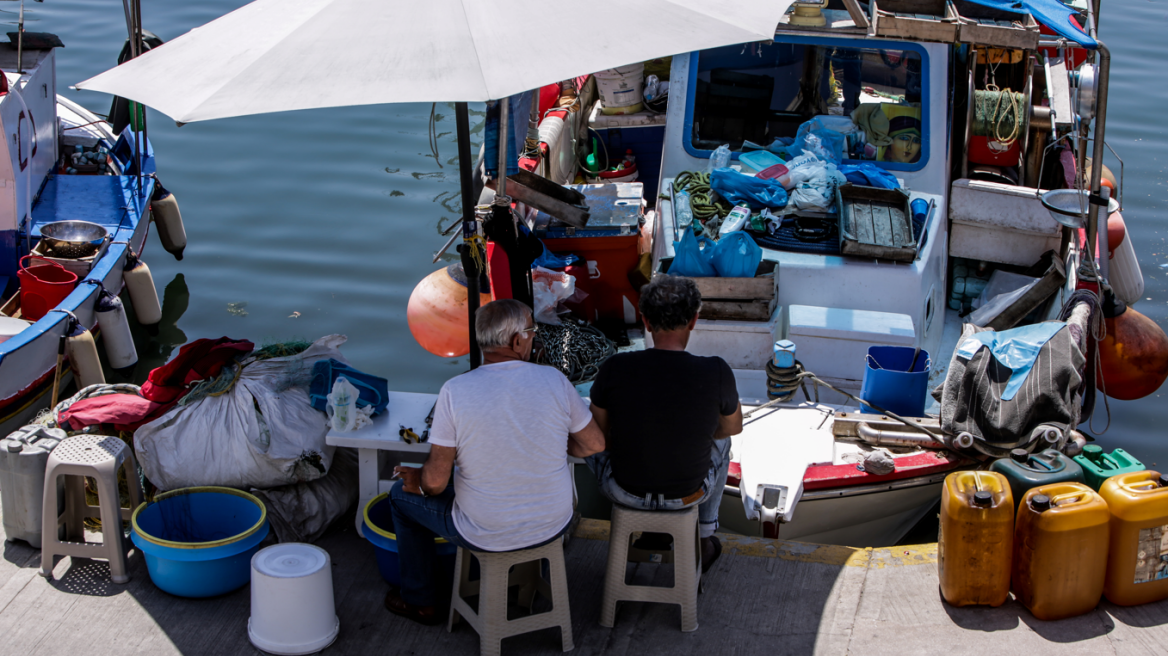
x=155 y=350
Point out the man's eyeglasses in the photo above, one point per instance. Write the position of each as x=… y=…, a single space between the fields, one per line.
x=527 y=330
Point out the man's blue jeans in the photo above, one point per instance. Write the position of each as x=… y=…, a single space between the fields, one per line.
x=712 y=488
x=417 y=520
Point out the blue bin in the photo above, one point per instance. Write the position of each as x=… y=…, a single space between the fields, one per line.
x=378 y=529
x=198 y=542
x=889 y=384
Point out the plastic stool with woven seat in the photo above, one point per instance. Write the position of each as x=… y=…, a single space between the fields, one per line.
x=683 y=526
x=496 y=577
x=98 y=457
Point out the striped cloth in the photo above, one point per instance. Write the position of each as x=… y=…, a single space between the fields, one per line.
x=971 y=396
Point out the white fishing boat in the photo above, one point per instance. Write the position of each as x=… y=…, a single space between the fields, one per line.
x=76 y=205
x=798 y=468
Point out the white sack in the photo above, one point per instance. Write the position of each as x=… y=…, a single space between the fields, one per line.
x=262 y=433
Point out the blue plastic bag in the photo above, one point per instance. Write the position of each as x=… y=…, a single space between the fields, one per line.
x=550 y=260
x=373 y=390
x=869 y=175
x=738 y=188
x=690 y=259
x=825 y=143
x=736 y=256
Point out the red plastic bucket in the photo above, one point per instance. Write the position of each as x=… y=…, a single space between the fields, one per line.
x=42 y=287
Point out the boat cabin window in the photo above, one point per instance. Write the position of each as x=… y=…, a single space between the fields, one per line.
x=759 y=95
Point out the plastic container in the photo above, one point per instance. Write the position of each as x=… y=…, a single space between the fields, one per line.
x=1137 y=560
x=378 y=530
x=1099 y=466
x=975 y=542
x=292 y=606
x=198 y=541
x=42 y=287
x=620 y=89
x=1060 y=550
x=1025 y=470
x=894 y=382
x=24 y=454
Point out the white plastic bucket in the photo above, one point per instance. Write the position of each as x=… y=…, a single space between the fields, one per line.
x=620 y=89
x=292 y=608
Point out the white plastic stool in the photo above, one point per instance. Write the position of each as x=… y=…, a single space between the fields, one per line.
x=683 y=526
x=292 y=607
x=491 y=622
x=99 y=457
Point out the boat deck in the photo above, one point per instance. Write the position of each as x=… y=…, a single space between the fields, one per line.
x=762 y=597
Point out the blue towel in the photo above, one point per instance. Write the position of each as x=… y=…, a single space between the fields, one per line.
x=1050 y=13
x=1016 y=349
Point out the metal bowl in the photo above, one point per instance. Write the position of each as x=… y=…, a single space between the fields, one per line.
x=73 y=239
x=1069 y=206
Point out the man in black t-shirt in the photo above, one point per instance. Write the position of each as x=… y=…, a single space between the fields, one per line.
x=666 y=415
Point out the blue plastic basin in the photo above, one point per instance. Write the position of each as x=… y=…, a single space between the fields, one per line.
x=198 y=541
x=379 y=529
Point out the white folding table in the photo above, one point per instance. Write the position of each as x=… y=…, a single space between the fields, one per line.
x=380 y=448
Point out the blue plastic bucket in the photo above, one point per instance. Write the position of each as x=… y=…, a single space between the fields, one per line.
x=198 y=541
x=379 y=529
x=889 y=384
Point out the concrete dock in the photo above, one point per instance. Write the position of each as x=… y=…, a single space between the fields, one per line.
x=762 y=597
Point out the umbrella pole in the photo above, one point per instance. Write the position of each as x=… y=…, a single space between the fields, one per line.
x=470 y=247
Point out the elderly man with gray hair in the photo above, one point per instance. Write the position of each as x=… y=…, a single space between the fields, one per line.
x=505 y=431
x=666 y=415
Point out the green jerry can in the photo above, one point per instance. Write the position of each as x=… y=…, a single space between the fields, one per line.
x=1098 y=466
x=1026 y=470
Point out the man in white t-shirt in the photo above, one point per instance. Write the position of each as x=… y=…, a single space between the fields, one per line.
x=505 y=431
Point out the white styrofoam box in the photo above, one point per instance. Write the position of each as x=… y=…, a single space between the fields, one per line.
x=999 y=223
x=833 y=342
x=742 y=344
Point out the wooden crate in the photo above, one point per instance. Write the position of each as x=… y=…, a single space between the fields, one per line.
x=876 y=223
x=738 y=299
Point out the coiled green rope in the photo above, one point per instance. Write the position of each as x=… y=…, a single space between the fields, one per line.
x=703 y=201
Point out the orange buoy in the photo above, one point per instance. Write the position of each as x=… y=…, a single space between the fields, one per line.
x=437 y=313
x=1134 y=356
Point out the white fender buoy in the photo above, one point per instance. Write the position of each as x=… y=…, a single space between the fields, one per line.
x=140 y=285
x=168 y=218
x=1124 y=275
x=82 y=353
x=115 y=332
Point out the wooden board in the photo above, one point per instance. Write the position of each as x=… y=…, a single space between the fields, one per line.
x=736 y=288
x=738 y=310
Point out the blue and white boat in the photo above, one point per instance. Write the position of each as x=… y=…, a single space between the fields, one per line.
x=110 y=186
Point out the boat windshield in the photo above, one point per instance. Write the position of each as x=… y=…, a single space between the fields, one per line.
x=765 y=95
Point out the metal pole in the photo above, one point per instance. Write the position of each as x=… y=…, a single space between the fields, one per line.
x=504 y=119
x=469 y=249
x=1097 y=155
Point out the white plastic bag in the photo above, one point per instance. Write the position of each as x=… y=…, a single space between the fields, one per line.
x=814 y=184
x=719 y=159
x=263 y=432
x=550 y=288
x=342 y=410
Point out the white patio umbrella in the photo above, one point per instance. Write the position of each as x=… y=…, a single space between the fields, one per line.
x=280 y=55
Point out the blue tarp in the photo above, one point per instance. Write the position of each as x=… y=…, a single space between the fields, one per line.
x=1050 y=13
x=519 y=111
x=1016 y=349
